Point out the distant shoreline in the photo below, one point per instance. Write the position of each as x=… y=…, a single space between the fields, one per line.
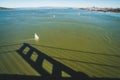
x=4 y=8
x=115 y=10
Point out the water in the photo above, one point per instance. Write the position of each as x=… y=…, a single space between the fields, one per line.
x=75 y=29
x=91 y=31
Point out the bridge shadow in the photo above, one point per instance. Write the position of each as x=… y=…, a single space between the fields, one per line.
x=36 y=59
x=57 y=67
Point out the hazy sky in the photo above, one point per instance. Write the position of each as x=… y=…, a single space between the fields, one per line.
x=60 y=3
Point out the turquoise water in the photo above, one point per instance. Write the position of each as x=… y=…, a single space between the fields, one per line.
x=75 y=29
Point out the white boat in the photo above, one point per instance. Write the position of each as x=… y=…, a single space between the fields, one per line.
x=36 y=37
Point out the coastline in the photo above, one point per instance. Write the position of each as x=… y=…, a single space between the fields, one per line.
x=4 y=8
x=114 y=10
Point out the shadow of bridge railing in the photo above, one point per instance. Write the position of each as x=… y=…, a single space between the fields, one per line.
x=57 y=67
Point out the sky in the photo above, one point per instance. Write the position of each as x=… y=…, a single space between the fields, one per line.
x=60 y=3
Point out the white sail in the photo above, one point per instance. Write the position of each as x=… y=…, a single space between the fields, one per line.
x=36 y=37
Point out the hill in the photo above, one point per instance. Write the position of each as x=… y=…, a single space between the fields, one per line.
x=4 y=8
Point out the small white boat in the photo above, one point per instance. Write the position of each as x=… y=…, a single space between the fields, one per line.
x=36 y=37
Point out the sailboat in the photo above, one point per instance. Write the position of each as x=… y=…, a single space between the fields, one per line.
x=36 y=37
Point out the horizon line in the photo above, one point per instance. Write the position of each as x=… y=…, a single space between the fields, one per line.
x=57 y=7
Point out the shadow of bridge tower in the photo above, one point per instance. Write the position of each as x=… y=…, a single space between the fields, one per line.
x=57 y=67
